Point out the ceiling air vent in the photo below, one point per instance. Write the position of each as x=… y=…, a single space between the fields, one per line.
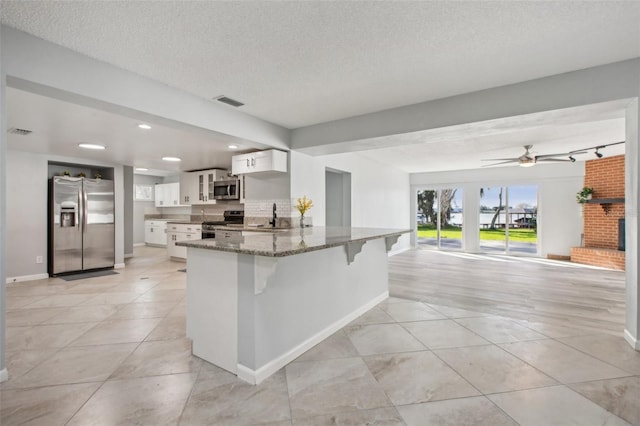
x=21 y=132
x=229 y=101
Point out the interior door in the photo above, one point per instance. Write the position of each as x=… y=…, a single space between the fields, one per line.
x=99 y=227
x=66 y=235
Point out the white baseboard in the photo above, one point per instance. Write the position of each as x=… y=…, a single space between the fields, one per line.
x=128 y=255
x=4 y=375
x=635 y=344
x=255 y=377
x=27 y=278
x=394 y=252
x=119 y=266
x=139 y=244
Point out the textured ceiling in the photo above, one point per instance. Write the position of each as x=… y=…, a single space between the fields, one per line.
x=301 y=63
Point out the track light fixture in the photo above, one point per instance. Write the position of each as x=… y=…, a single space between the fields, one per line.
x=572 y=158
x=598 y=153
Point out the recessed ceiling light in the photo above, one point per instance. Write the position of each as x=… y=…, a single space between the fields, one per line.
x=233 y=147
x=174 y=159
x=91 y=146
x=141 y=169
x=144 y=126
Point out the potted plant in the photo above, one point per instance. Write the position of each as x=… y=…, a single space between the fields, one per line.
x=584 y=195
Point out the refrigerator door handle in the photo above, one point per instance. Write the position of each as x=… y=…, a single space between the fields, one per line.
x=80 y=211
x=84 y=210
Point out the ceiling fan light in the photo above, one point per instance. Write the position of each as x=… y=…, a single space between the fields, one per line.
x=527 y=163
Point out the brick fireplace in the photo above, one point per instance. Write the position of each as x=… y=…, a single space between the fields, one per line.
x=602 y=214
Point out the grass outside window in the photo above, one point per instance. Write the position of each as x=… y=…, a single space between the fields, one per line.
x=523 y=235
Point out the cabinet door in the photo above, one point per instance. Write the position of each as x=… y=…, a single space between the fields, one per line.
x=160 y=195
x=188 y=188
x=241 y=164
x=148 y=233
x=173 y=194
x=171 y=244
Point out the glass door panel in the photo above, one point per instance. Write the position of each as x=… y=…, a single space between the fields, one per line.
x=450 y=215
x=439 y=218
x=523 y=219
x=427 y=219
x=492 y=219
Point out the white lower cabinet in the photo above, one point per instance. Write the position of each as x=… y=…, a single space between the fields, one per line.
x=155 y=232
x=181 y=232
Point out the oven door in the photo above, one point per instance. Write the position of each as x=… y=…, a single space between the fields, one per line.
x=226 y=190
x=208 y=233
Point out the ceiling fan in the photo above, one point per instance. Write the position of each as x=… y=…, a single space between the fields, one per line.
x=528 y=159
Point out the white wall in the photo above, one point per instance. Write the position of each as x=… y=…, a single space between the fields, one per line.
x=379 y=193
x=26 y=197
x=559 y=216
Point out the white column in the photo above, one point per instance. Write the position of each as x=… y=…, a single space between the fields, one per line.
x=471 y=218
x=4 y=375
x=632 y=185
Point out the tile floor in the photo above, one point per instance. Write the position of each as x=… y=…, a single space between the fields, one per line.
x=112 y=351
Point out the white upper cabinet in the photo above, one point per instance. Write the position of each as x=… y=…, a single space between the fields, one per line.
x=168 y=194
x=198 y=188
x=270 y=160
x=188 y=188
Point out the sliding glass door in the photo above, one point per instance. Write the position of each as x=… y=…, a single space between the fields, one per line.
x=508 y=219
x=439 y=218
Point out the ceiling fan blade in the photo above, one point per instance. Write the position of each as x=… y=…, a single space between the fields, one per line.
x=552 y=160
x=500 y=159
x=503 y=162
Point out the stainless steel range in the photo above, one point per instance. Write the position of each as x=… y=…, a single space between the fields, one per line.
x=231 y=217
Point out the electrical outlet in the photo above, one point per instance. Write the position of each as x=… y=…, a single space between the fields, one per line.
x=38 y=259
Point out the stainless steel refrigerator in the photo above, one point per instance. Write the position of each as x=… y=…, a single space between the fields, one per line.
x=81 y=224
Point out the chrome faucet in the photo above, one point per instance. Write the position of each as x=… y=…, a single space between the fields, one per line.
x=273 y=222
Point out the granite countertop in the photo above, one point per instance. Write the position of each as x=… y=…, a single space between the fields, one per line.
x=185 y=222
x=291 y=241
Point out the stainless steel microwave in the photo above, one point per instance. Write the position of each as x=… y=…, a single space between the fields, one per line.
x=226 y=189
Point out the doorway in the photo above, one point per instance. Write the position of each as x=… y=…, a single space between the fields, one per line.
x=439 y=218
x=337 y=198
x=508 y=219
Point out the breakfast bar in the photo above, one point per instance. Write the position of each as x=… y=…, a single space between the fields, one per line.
x=260 y=298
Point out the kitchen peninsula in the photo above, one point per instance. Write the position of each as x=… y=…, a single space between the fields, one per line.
x=258 y=301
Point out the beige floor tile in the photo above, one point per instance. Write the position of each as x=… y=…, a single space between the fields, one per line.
x=415 y=377
x=76 y=365
x=112 y=298
x=378 y=416
x=382 y=338
x=90 y=288
x=45 y=406
x=440 y=334
x=154 y=401
x=220 y=398
x=411 y=311
x=157 y=358
x=499 y=329
x=456 y=312
x=179 y=310
x=138 y=286
x=611 y=349
x=169 y=328
x=20 y=362
x=373 y=316
x=491 y=369
x=26 y=317
x=118 y=331
x=563 y=362
x=553 y=330
x=337 y=345
x=162 y=296
x=553 y=406
x=19 y=302
x=44 y=336
x=144 y=310
x=59 y=300
x=475 y=411
x=392 y=299
x=325 y=387
x=80 y=314
x=618 y=396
